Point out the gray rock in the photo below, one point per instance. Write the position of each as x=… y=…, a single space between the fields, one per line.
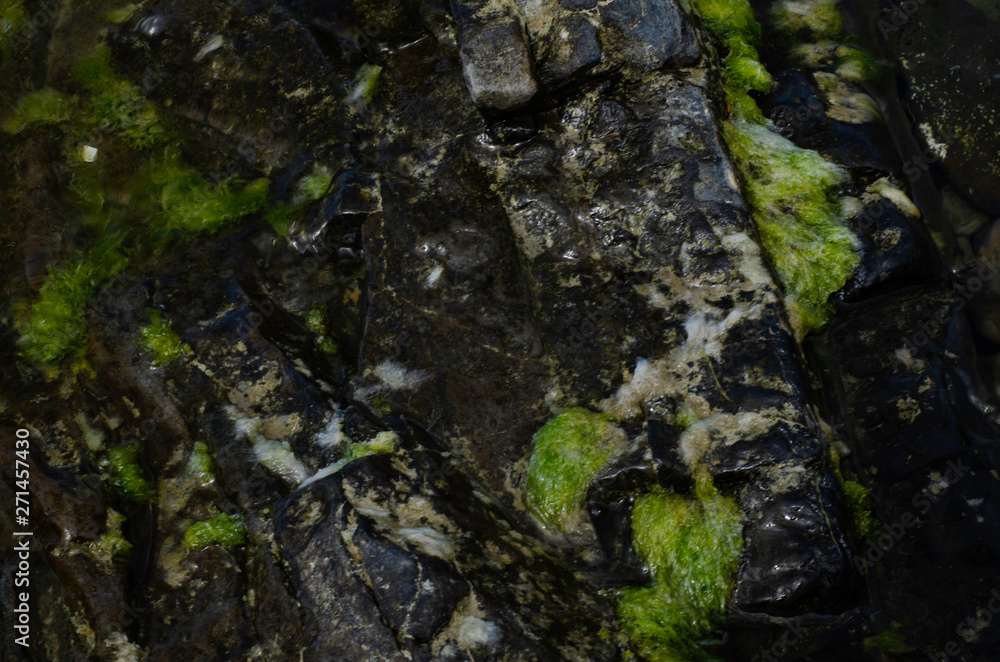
x=649 y=33
x=496 y=63
x=567 y=51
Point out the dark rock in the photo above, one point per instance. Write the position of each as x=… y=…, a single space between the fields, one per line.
x=497 y=64
x=649 y=34
x=568 y=50
x=951 y=88
x=896 y=251
x=797 y=553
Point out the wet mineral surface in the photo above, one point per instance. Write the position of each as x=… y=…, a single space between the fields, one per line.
x=556 y=330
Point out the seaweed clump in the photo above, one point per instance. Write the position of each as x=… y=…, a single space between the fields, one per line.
x=692 y=547
x=794 y=193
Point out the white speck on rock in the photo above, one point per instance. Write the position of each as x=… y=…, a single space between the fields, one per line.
x=475 y=631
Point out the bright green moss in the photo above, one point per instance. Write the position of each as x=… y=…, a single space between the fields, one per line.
x=200 y=463
x=820 y=17
x=193 y=205
x=127 y=474
x=793 y=194
x=692 y=547
x=160 y=339
x=222 y=529
x=42 y=108
x=859 y=503
x=568 y=452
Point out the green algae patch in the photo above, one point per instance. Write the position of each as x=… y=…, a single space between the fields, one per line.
x=112 y=545
x=734 y=24
x=222 y=529
x=365 y=84
x=692 y=547
x=45 y=107
x=381 y=444
x=313 y=186
x=128 y=475
x=117 y=104
x=316 y=321
x=193 y=205
x=859 y=503
x=12 y=21
x=858 y=65
x=54 y=324
x=793 y=194
x=200 y=463
x=568 y=452
x=159 y=338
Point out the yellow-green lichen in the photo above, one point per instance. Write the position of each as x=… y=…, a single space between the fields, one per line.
x=692 y=547
x=128 y=475
x=222 y=529
x=160 y=339
x=568 y=452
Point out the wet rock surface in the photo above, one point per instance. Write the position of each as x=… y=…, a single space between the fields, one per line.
x=477 y=215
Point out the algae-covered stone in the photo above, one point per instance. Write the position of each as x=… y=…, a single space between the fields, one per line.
x=692 y=546
x=569 y=450
x=222 y=529
x=160 y=339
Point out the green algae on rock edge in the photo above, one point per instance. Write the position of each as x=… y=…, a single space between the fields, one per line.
x=692 y=546
x=568 y=452
x=222 y=529
x=169 y=198
x=793 y=192
x=128 y=475
x=159 y=338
